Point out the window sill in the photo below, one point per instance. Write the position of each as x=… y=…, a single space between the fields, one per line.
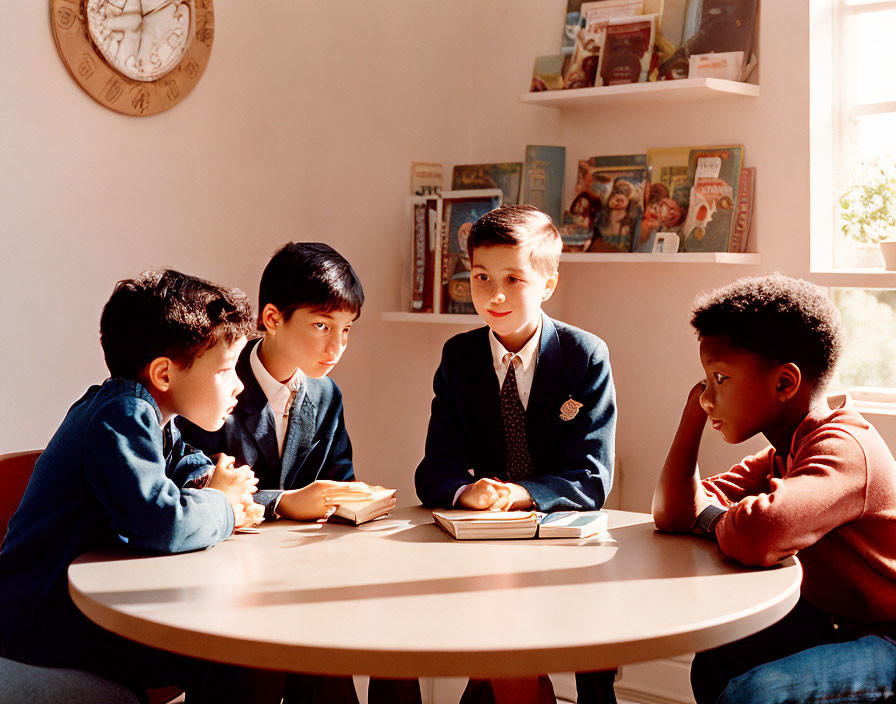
x=854 y=278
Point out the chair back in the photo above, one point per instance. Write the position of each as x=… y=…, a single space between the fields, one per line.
x=15 y=471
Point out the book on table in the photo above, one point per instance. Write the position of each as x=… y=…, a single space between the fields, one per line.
x=381 y=502
x=496 y=525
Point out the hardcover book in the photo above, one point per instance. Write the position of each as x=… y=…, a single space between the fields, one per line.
x=607 y=207
x=628 y=49
x=425 y=241
x=668 y=195
x=709 y=223
x=744 y=212
x=460 y=209
x=507 y=176
x=508 y=525
x=426 y=178
x=581 y=71
x=381 y=502
x=547 y=73
x=543 y=179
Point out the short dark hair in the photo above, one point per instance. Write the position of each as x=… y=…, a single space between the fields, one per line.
x=309 y=275
x=519 y=226
x=165 y=313
x=777 y=318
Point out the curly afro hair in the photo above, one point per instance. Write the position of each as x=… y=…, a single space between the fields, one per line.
x=778 y=318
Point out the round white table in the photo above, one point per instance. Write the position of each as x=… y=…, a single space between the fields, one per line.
x=399 y=598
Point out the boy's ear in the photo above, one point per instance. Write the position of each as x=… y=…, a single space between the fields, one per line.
x=788 y=381
x=158 y=373
x=550 y=286
x=271 y=317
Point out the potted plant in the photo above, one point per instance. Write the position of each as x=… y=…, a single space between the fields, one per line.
x=868 y=207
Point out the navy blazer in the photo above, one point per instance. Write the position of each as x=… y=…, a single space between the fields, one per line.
x=106 y=476
x=316 y=445
x=572 y=459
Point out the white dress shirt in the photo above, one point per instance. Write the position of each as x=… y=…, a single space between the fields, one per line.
x=278 y=394
x=524 y=362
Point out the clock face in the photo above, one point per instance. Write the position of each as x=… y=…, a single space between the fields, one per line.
x=141 y=40
x=137 y=57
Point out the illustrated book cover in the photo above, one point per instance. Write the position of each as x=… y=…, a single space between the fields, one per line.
x=460 y=209
x=715 y=173
x=607 y=207
x=507 y=176
x=543 y=179
x=668 y=195
x=582 y=69
x=547 y=72
x=628 y=50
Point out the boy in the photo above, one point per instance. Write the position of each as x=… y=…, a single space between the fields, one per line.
x=170 y=343
x=524 y=413
x=289 y=425
x=825 y=490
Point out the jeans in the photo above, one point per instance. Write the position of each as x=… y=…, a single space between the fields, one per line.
x=806 y=657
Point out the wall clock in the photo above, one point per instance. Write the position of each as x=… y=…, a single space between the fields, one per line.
x=137 y=57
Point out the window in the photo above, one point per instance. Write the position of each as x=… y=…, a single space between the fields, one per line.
x=864 y=122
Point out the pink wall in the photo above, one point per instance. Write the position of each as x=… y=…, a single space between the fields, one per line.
x=303 y=127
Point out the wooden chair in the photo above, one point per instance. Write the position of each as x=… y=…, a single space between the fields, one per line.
x=20 y=682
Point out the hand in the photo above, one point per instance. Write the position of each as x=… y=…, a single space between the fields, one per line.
x=311 y=502
x=485 y=494
x=692 y=407
x=247 y=514
x=235 y=482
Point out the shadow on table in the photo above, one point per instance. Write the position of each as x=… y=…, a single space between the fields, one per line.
x=654 y=556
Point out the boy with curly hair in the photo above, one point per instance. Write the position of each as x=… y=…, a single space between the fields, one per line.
x=824 y=489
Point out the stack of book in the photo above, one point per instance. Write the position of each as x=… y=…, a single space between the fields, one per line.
x=498 y=525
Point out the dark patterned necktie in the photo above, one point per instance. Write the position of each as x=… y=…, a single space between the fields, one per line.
x=519 y=463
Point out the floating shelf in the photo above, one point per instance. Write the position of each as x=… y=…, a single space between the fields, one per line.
x=681 y=258
x=656 y=93
x=444 y=318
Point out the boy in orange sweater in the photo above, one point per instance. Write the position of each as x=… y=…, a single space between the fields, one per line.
x=825 y=490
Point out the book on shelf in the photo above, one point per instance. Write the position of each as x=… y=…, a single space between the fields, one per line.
x=460 y=209
x=744 y=213
x=573 y=15
x=582 y=69
x=508 y=525
x=426 y=178
x=715 y=26
x=543 y=179
x=381 y=502
x=715 y=173
x=506 y=175
x=627 y=51
x=547 y=73
x=728 y=65
x=426 y=219
x=667 y=196
x=607 y=206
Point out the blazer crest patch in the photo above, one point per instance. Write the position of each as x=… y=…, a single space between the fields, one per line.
x=569 y=410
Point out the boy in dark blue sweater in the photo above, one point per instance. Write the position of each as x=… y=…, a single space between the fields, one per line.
x=117 y=472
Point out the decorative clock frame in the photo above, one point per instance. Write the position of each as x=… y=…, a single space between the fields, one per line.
x=101 y=80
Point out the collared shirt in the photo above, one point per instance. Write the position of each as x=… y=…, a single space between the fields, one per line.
x=277 y=394
x=524 y=362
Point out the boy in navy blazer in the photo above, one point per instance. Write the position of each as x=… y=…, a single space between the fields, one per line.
x=289 y=425
x=116 y=472
x=524 y=414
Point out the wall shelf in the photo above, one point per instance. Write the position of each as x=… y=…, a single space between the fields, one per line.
x=643 y=258
x=444 y=318
x=657 y=93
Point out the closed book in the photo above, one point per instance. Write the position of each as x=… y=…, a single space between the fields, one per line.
x=744 y=213
x=357 y=512
x=572 y=524
x=488 y=525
